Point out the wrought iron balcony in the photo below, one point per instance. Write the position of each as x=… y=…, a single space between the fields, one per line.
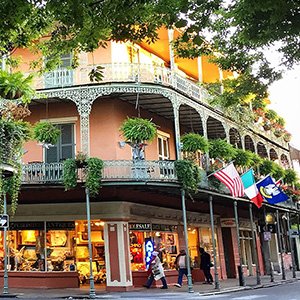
x=122 y=171
x=114 y=170
x=124 y=72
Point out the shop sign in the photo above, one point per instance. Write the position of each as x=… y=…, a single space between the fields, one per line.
x=230 y=222
x=26 y=226
x=149 y=248
x=154 y=227
x=267 y=236
x=140 y=226
x=163 y=227
x=60 y=225
x=294 y=233
x=4 y=221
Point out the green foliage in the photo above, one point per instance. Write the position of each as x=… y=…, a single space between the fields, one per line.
x=243 y=158
x=290 y=177
x=221 y=149
x=96 y=74
x=46 y=132
x=92 y=168
x=15 y=86
x=93 y=175
x=265 y=167
x=256 y=159
x=70 y=174
x=12 y=136
x=188 y=174
x=11 y=186
x=138 y=130
x=277 y=171
x=271 y=115
x=193 y=142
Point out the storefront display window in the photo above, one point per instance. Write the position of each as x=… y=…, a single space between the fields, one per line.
x=55 y=246
x=166 y=242
x=205 y=241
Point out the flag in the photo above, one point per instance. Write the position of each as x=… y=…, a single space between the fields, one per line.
x=251 y=190
x=270 y=191
x=231 y=178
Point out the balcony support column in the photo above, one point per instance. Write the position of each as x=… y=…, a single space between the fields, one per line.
x=177 y=129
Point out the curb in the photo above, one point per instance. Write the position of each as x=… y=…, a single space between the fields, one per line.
x=238 y=289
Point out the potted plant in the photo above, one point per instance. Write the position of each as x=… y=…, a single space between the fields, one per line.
x=193 y=142
x=220 y=149
x=242 y=158
x=46 y=133
x=137 y=131
x=287 y=137
x=15 y=86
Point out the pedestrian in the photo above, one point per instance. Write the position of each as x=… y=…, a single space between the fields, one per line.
x=205 y=265
x=156 y=271
x=181 y=266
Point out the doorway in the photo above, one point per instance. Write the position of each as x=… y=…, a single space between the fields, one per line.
x=228 y=252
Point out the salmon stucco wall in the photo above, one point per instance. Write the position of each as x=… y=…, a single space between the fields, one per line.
x=105 y=121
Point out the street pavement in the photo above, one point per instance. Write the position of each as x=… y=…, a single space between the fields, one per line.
x=229 y=289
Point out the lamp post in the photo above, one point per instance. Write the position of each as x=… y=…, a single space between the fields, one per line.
x=88 y=214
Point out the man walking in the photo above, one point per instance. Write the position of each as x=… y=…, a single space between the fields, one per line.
x=181 y=266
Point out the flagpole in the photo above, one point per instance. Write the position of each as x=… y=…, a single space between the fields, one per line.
x=240 y=267
x=254 y=246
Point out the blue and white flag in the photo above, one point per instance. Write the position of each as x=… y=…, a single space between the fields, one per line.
x=270 y=191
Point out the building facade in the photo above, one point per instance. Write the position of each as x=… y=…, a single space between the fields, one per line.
x=137 y=206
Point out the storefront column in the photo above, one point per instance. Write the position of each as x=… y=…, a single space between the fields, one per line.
x=117 y=258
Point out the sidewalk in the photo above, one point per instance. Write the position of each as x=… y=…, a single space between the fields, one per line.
x=226 y=286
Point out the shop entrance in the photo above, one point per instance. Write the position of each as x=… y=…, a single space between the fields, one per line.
x=228 y=252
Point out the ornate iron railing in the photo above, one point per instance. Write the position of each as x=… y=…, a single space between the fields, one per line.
x=124 y=72
x=114 y=170
x=121 y=171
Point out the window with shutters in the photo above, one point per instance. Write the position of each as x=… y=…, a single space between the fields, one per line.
x=64 y=148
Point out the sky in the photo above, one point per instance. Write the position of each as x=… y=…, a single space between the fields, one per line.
x=285 y=100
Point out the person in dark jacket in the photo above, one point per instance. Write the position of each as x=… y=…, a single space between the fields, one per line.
x=205 y=265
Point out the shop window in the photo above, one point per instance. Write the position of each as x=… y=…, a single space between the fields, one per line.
x=194 y=246
x=246 y=248
x=205 y=241
x=163 y=145
x=64 y=148
x=164 y=242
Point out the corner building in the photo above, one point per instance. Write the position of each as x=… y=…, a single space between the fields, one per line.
x=134 y=206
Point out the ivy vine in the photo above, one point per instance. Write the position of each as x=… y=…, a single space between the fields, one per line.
x=188 y=174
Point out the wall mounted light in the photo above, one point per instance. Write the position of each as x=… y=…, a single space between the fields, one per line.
x=122 y=144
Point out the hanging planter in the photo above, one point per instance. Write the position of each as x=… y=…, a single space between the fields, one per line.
x=287 y=137
x=278 y=132
x=267 y=126
x=46 y=133
x=15 y=86
x=136 y=131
